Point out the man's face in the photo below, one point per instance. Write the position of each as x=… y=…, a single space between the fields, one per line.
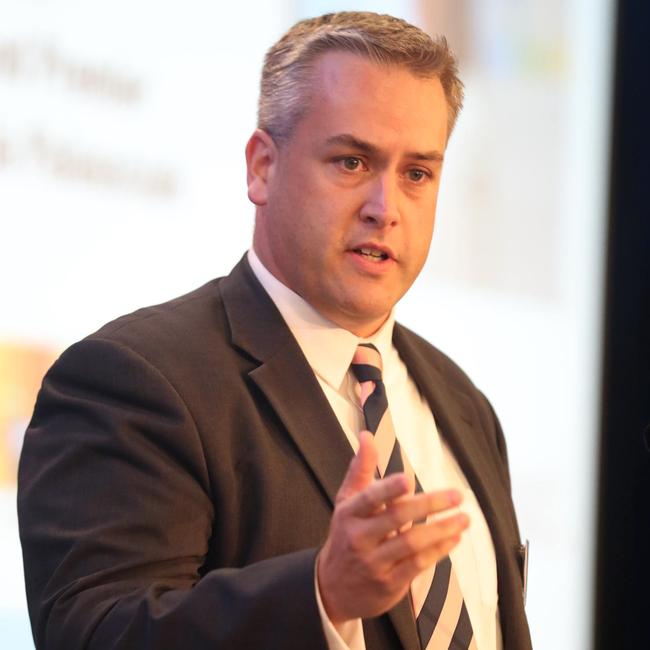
x=346 y=206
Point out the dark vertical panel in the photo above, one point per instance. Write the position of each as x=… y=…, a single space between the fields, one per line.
x=623 y=560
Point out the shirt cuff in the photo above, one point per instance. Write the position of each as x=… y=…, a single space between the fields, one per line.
x=344 y=636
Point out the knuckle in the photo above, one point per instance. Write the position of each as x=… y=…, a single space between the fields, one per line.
x=365 y=500
x=394 y=518
x=420 y=562
x=409 y=542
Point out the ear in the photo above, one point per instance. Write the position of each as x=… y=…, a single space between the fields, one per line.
x=261 y=155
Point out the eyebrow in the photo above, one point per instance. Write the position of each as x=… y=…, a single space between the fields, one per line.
x=349 y=140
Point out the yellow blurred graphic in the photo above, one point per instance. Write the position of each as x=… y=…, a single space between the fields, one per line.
x=21 y=371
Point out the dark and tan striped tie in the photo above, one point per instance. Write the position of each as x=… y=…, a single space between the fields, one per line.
x=439 y=607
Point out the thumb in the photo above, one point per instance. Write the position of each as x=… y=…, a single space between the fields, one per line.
x=362 y=469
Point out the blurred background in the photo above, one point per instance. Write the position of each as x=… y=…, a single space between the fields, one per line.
x=122 y=183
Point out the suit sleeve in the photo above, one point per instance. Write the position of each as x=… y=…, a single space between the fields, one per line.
x=116 y=515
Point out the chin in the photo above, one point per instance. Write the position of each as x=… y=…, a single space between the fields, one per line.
x=365 y=315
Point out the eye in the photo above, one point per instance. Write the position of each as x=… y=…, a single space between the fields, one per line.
x=417 y=175
x=351 y=163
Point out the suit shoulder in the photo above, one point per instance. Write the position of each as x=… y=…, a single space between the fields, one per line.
x=182 y=342
x=189 y=315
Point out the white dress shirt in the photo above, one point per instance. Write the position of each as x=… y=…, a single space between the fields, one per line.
x=329 y=350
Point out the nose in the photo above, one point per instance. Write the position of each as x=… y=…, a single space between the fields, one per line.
x=380 y=205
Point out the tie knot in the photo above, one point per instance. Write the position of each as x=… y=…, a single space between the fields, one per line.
x=366 y=363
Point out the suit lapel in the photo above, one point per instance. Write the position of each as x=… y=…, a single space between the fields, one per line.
x=285 y=378
x=300 y=404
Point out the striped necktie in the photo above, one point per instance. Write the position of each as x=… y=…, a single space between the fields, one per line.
x=440 y=611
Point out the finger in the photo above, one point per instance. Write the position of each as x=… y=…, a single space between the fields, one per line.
x=361 y=472
x=421 y=545
x=412 y=566
x=402 y=512
x=376 y=496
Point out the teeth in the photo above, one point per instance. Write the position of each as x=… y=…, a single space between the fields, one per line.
x=375 y=254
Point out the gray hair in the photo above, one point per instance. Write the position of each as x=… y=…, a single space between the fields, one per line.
x=288 y=65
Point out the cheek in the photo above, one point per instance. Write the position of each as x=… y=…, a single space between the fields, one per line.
x=420 y=240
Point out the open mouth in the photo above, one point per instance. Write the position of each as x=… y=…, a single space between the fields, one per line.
x=372 y=254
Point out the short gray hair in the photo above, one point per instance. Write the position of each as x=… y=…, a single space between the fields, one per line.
x=288 y=65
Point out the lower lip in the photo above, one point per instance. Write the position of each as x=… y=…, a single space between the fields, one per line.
x=370 y=267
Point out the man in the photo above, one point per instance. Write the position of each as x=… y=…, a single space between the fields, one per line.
x=189 y=477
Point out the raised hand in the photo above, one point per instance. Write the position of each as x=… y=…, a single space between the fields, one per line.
x=372 y=552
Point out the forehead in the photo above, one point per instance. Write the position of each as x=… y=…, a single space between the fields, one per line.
x=351 y=94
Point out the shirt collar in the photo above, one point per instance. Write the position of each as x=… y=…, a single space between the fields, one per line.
x=327 y=347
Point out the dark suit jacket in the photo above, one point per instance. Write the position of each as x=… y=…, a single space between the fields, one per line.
x=179 y=472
